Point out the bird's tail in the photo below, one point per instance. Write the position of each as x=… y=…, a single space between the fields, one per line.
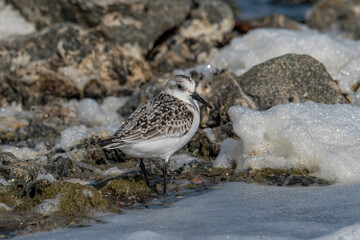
x=109 y=143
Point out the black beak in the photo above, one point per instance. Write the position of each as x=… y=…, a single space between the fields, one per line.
x=200 y=99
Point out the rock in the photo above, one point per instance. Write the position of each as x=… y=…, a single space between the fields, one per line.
x=136 y=22
x=74 y=199
x=126 y=191
x=290 y=78
x=274 y=21
x=280 y=177
x=60 y=166
x=339 y=17
x=46 y=124
x=15 y=171
x=8 y=127
x=209 y=26
x=142 y=95
x=66 y=61
x=202 y=147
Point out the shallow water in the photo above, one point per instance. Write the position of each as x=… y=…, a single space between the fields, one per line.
x=237 y=211
x=252 y=9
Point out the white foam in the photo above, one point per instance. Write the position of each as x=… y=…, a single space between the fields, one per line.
x=347 y=233
x=113 y=171
x=25 y=153
x=87 y=193
x=210 y=135
x=178 y=160
x=4 y=182
x=230 y=151
x=12 y=110
x=48 y=206
x=46 y=176
x=321 y=138
x=12 y=23
x=72 y=136
x=79 y=181
x=5 y=207
x=80 y=78
x=341 y=57
x=205 y=69
x=91 y=113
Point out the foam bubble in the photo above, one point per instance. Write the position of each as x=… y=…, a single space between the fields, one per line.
x=12 y=23
x=25 y=153
x=321 y=138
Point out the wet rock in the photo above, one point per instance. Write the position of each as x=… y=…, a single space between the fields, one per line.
x=15 y=171
x=60 y=166
x=222 y=91
x=66 y=61
x=39 y=124
x=126 y=192
x=74 y=199
x=280 y=177
x=336 y=17
x=290 y=78
x=46 y=124
x=201 y=145
x=139 y=22
x=274 y=21
x=208 y=27
x=9 y=126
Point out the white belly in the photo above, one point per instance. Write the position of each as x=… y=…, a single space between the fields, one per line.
x=162 y=147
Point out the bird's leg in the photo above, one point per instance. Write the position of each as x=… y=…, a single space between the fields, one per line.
x=143 y=170
x=164 y=176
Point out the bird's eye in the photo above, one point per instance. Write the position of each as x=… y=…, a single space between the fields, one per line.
x=179 y=86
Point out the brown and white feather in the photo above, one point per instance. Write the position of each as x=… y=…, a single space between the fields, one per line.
x=162 y=116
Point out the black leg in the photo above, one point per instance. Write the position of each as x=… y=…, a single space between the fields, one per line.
x=164 y=176
x=143 y=170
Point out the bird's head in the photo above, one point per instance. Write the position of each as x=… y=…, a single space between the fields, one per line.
x=183 y=88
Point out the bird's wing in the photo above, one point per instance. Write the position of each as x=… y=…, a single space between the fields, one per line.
x=162 y=116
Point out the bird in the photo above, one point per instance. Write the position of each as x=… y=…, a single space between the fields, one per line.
x=161 y=126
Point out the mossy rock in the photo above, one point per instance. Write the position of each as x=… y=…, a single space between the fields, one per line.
x=280 y=177
x=76 y=200
x=126 y=188
x=10 y=196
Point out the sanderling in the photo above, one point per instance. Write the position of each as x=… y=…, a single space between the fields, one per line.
x=161 y=126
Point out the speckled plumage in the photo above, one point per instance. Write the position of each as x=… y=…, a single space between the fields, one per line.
x=162 y=116
x=161 y=126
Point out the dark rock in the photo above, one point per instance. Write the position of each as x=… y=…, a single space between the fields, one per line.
x=40 y=124
x=208 y=27
x=274 y=21
x=65 y=61
x=202 y=147
x=290 y=78
x=10 y=126
x=142 y=95
x=336 y=17
x=60 y=166
x=7 y=158
x=135 y=22
x=279 y=177
x=223 y=91
x=15 y=171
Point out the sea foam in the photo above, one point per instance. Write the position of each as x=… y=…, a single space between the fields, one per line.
x=323 y=139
